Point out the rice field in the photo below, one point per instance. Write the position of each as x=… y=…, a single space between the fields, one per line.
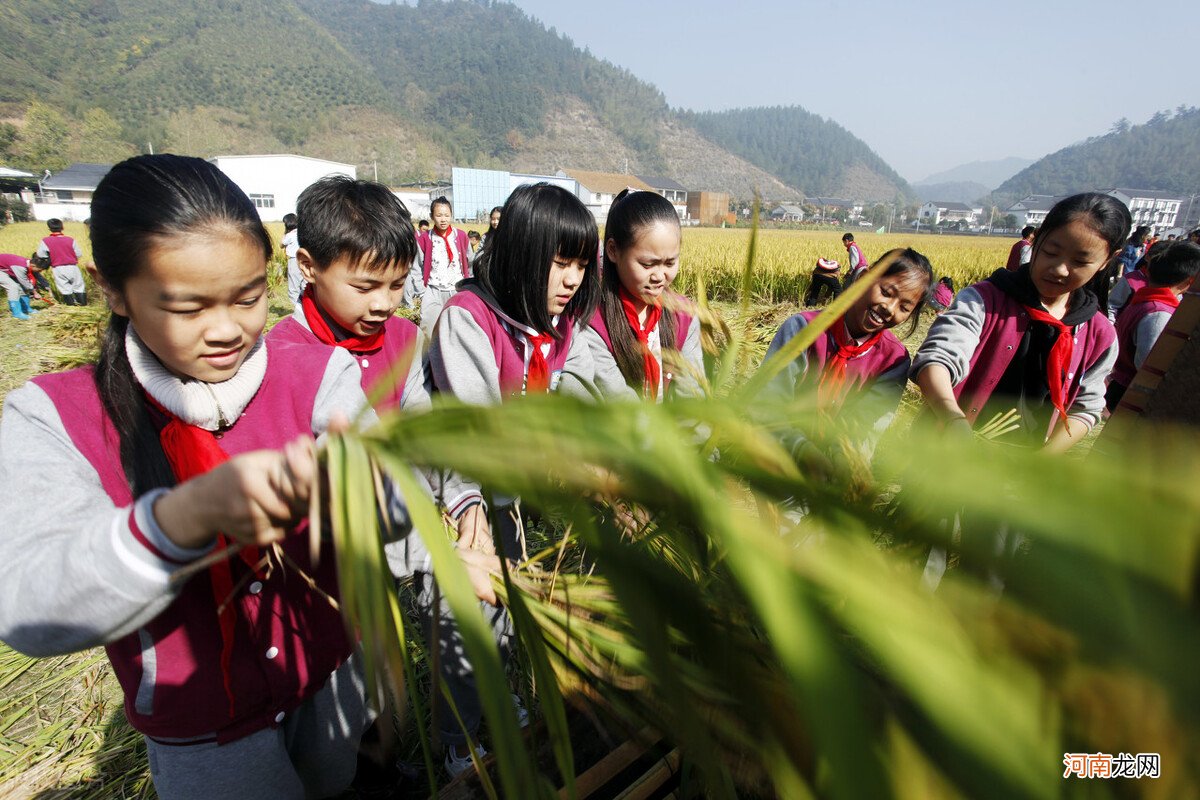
x=785 y=258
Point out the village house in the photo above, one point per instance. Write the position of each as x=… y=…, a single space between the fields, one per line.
x=597 y=189
x=274 y=182
x=672 y=190
x=938 y=212
x=787 y=212
x=1032 y=210
x=1158 y=210
x=68 y=194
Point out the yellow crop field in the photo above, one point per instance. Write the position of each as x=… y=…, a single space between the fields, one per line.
x=785 y=258
x=22 y=238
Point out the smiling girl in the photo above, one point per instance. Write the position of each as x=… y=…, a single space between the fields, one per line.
x=858 y=360
x=1036 y=339
x=189 y=435
x=633 y=325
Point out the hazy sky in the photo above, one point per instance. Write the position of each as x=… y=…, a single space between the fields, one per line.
x=928 y=86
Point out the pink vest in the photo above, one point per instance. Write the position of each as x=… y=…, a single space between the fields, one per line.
x=683 y=322
x=9 y=264
x=62 y=250
x=886 y=354
x=392 y=359
x=188 y=693
x=1014 y=255
x=508 y=348
x=1127 y=324
x=1004 y=325
x=943 y=295
x=425 y=242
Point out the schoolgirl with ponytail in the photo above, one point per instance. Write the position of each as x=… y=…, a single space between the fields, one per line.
x=1036 y=339
x=188 y=435
x=639 y=318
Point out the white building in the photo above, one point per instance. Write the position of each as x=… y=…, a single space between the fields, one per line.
x=1158 y=210
x=68 y=194
x=936 y=212
x=274 y=182
x=1032 y=210
x=787 y=212
x=478 y=191
x=597 y=189
x=417 y=201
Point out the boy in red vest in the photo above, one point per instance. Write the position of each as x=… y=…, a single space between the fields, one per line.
x=63 y=253
x=1172 y=267
x=445 y=260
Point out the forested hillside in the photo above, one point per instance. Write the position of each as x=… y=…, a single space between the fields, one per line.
x=1162 y=154
x=803 y=149
x=405 y=90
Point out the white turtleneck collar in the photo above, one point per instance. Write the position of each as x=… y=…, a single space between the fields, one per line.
x=204 y=405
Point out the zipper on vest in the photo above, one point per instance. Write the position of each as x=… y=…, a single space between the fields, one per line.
x=222 y=422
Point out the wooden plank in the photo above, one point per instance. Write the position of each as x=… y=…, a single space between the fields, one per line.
x=654 y=778
x=604 y=770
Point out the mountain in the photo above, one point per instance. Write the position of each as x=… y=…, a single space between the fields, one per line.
x=1163 y=154
x=955 y=191
x=803 y=149
x=989 y=173
x=404 y=90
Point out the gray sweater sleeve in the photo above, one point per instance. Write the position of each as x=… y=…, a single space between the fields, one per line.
x=1089 y=403
x=77 y=572
x=578 y=377
x=609 y=380
x=953 y=337
x=417 y=384
x=687 y=384
x=1118 y=298
x=1147 y=333
x=462 y=360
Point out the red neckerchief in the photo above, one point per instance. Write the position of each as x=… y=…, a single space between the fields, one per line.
x=1058 y=361
x=446 y=241
x=321 y=329
x=651 y=367
x=538 y=379
x=1154 y=294
x=832 y=386
x=193 y=451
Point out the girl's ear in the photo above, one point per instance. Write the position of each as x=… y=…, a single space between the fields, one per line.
x=610 y=250
x=115 y=300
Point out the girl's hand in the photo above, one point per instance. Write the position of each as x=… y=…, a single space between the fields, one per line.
x=254 y=498
x=474 y=532
x=480 y=568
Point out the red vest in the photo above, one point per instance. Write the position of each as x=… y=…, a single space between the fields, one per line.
x=509 y=349
x=885 y=355
x=1014 y=255
x=1128 y=320
x=394 y=357
x=62 y=250
x=180 y=659
x=461 y=244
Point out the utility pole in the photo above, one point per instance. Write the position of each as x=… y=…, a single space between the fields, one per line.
x=375 y=167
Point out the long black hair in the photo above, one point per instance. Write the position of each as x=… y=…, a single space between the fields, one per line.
x=1107 y=217
x=139 y=203
x=541 y=222
x=630 y=215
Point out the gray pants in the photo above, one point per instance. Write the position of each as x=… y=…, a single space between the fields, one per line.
x=432 y=302
x=314 y=753
x=11 y=287
x=455 y=668
x=69 y=279
x=295 y=281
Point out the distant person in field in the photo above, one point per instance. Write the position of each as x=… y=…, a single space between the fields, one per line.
x=1194 y=236
x=493 y=222
x=290 y=243
x=824 y=279
x=943 y=294
x=15 y=280
x=1022 y=249
x=858 y=262
x=1134 y=249
x=1128 y=285
x=476 y=242
x=64 y=253
x=445 y=260
x=422 y=226
x=1036 y=340
x=1172 y=267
